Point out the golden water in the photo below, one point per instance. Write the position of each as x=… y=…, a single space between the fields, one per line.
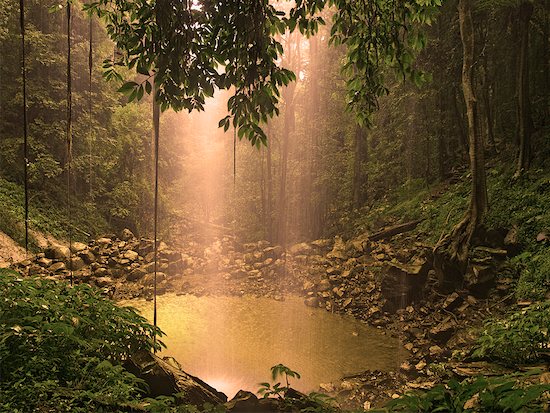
x=231 y=342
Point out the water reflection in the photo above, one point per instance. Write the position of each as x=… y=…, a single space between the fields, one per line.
x=232 y=342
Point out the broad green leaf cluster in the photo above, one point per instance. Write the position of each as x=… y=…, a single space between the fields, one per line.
x=189 y=49
x=61 y=347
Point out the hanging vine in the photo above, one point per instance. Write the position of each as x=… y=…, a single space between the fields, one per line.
x=69 y=136
x=25 y=132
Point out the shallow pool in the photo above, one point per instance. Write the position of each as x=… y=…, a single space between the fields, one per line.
x=232 y=342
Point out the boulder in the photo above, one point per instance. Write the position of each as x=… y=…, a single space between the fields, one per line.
x=87 y=256
x=130 y=255
x=58 y=252
x=104 y=242
x=402 y=284
x=102 y=282
x=175 y=267
x=324 y=285
x=480 y=279
x=126 y=235
x=58 y=266
x=136 y=274
x=338 y=250
x=300 y=249
x=273 y=252
x=312 y=302
x=170 y=255
x=78 y=246
x=443 y=332
x=44 y=262
x=511 y=240
x=322 y=243
x=355 y=248
x=245 y=401
x=149 y=279
x=167 y=379
x=76 y=263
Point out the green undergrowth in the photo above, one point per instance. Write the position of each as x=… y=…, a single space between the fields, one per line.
x=513 y=203
x=519 y=338
x=511 y=393
x=62 y=347
x=45 y=216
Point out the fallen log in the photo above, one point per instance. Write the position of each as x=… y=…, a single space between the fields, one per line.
x=394 y=230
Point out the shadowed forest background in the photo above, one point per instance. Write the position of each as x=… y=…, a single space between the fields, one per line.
x=320 y=172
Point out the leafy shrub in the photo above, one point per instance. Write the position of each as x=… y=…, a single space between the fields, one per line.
x=534 y=268
x=481 y=394
x=519 y=338
x=312 y=403
x=61 y=347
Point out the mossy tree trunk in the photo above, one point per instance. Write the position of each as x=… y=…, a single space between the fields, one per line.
x=451 y=252
x=525 y=122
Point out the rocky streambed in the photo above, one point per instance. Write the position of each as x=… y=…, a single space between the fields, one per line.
x=383 y=279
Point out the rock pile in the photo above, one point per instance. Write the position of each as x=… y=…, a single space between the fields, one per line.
x=109 y=262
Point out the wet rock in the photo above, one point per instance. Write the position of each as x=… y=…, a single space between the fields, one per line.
x=245 y=401
x=165 y=379
x=403 y=284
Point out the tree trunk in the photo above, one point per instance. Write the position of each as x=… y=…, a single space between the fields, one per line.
x=269 y=190
x=525 y=122
x=359 y=173
x=451 y=253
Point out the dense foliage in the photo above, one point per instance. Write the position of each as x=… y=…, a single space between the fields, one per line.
x=61 y=347
x=519 y=338
x=481 y=394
